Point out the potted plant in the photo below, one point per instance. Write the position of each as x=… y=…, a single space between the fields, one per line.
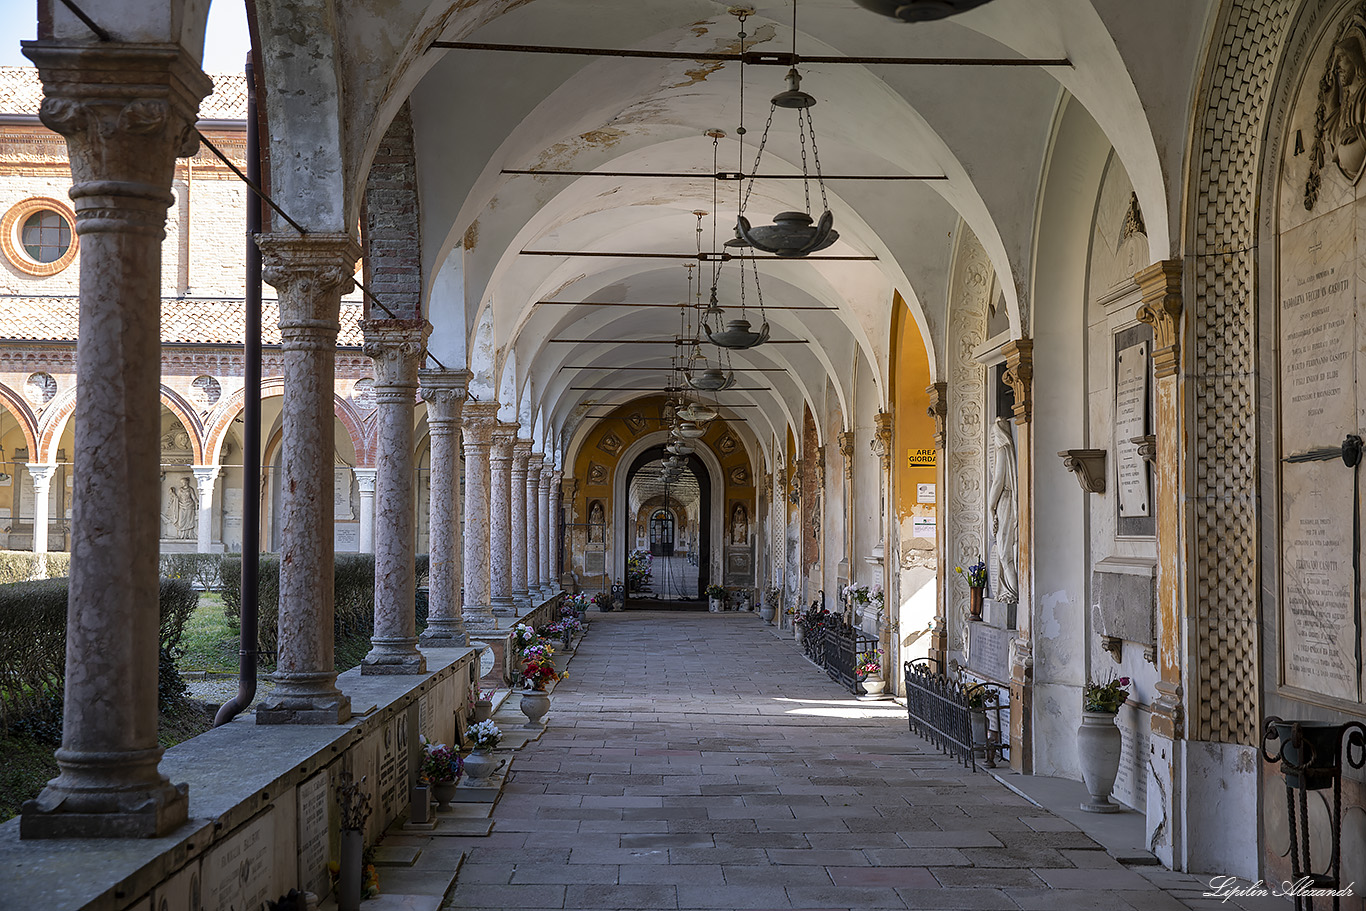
x=603 y=600
x=441 y=769
x=1099 y=740
x=977 y=580
x=538 y=671
x=716 y=597
x=868 y=670
x=484 y=738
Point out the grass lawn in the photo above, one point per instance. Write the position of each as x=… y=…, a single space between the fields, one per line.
x=211 y=640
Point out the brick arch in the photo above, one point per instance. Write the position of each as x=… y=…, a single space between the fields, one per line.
x=341 y=409
x=189 y=419
x=52 y=423
x=15 y=404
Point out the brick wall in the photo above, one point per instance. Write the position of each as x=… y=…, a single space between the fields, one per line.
x=391 y=235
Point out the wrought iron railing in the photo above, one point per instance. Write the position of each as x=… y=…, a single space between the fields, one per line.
x=834 y=645
x=941 y=709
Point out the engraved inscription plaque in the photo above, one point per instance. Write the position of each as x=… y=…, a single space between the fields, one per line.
x=1131 y=398
x=313 y=847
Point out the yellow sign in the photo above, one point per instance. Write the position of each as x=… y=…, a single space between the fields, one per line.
x=922 y=458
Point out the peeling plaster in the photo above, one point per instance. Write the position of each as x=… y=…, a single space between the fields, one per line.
x=1050 y=628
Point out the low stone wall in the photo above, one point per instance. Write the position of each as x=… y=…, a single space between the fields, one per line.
x=263 y=808
x=499 y=640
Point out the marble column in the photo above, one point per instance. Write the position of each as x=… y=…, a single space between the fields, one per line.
x=558 y=503
x=365 y=480
x=41 y=475
x=543 y=530
x=444 y=392
x=478 y=423
x=939 y=410
x=533 y=525
x=127 y=112
x=521 y=453
x=397 y=347
x=500 y=519
x=204 y=477
x=310 y=272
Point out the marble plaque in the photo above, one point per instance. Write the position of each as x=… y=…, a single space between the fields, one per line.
x=989 y=651
x=424 y=716
x=1131 y=784
x=595 y=562
x=182 y=892
x=1131 y=399
x=345 y=537
x=313 y=827
x=238 y=873
x=1317 y=626
x=341 y=495
x=1318 y=332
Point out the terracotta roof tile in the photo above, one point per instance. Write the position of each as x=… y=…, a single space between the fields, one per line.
x=183 y=320
x=22 y=93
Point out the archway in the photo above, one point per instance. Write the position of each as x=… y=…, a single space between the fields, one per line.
x=669 y=516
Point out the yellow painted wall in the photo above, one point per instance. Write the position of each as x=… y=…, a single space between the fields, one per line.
x=914 y=428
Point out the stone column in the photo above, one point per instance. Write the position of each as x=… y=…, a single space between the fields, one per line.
x=845 y=441
x=479 y=421
x=939 y=410
x=882 y=445
x=205 y=476
x=127 y=112
x=1019 y=375
x=397 y=347
x=311 y=273
x=444 y=392
x=1160 y=285
x=533 y=526
x=500 y=519
x=559 y=502
x=543 y=569
x=517 y=503
x=42 y=506
x=365 y=480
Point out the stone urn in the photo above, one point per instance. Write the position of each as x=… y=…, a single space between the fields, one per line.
x=1099 y=741
x=873 y=686
x=766 y=612
x=534 y=705
x=480 y=764
x=483 y=710
x=444 y=792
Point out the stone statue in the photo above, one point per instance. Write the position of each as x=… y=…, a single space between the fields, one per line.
x=739 y=525
x=1004 y=522
x=183 y=516
x=1345 y=114
x=597 y=523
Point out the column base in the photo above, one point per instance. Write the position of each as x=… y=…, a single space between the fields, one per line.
x=106 y=795
x=523 y=600
x=477 y=616
x=393 y=657
x=504 y=607
x=305 y=699
x=444 y=633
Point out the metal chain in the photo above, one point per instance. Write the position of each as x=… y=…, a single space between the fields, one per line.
x=816 y=154
x=758 y=155
x=801 y=134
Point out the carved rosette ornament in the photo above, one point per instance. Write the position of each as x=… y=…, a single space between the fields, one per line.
x=127 y=112
x=1160 y=286
x=1019 y=376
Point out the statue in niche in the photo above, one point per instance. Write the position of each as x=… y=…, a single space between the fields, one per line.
x=1004 y=522
x=182 y=518
x=597 y=523
x=739 y=525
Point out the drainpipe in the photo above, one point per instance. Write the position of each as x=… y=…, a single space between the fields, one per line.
x=251 y=417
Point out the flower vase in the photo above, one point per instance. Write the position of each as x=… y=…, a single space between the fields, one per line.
x=351 y=869
x=1099 y=741
x=766 y=613
x=480 y=765
x=977 y=723
x=444 y=792
x=534 y=705
x=873 y=686
x=714 y=605
x=975 y=606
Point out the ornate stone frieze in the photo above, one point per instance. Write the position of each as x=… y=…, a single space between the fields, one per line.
x=1160 y=285
x=1019 y=376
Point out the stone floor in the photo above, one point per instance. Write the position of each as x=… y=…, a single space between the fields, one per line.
x=698 y=761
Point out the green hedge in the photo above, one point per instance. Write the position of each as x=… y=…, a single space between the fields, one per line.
x=199 y=569
x=23 y=565
x=33 y=651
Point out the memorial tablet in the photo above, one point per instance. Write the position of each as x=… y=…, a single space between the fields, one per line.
x=1131 y=410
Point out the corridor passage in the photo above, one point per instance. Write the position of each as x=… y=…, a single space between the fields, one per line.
x=700 y=761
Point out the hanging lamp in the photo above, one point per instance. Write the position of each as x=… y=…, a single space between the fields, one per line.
x=920 y=10
x=792 y=234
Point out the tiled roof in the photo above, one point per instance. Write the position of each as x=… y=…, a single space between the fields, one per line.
x=183 y=321
x=22 y=93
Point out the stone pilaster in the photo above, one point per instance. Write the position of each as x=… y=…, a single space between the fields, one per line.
x=397 y=347
x=500 y=519
x=365 y=481
x=127 y=112
x=517 y=503
x=559 y=502
x=444 y=392
x=205 y=476
x=41 y=475
x=547 y=563
x=311 y=273
x=478 y=423
x=533 y=525
x=939 y=410
x=1019 y=375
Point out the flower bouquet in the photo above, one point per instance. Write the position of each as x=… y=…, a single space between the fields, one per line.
x=440 y=763
x=976 y=573
x=538 y=667
x=1105 y=697
x=484 y=736
x=868 y=664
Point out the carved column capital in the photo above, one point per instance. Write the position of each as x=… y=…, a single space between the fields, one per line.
x=846 y=444
x=521 y=454
x=882 y=438
x=478 y=421
x=1160 y=285
x=444 y=392
x=1019 y=375
x=939 y=410
x=311 y=272
x=397 y=347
